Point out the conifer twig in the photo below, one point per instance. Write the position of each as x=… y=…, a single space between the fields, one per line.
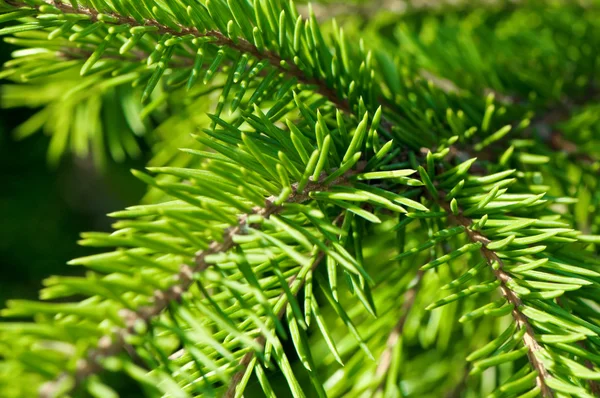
x=243 y=365
x=111 y=345
x=543 y=124
x=108 y=346
x=247 y=358
x=554 y=114
x=219 y=39
x=557 y=113
x=511 y=297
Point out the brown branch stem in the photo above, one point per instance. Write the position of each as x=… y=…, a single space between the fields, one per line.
x=246 y=359
x=511 y=297
x=543 y=123
x=111 y=345
x=219 y=39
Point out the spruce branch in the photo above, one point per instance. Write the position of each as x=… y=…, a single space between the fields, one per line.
x=553 y=115
x=543 y=123
x=558 y=113
x=111 y=345
x=247 y=359
x=263 y=153
x=496 y=263
x=243 y=366
x=218 y=39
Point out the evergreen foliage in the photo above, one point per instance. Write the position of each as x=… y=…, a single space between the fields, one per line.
x=393 y=204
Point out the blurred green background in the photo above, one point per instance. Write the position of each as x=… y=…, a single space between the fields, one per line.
x=43 y=209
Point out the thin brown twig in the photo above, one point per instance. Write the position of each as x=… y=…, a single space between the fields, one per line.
x=243 y=365
x=554 y=138
x=511 y=297
x=542 y=124
x=111 y=345
x=246 y=359
x=559 y=143
x=218 y=39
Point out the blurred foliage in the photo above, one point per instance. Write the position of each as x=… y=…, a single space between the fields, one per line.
x=45 y=208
